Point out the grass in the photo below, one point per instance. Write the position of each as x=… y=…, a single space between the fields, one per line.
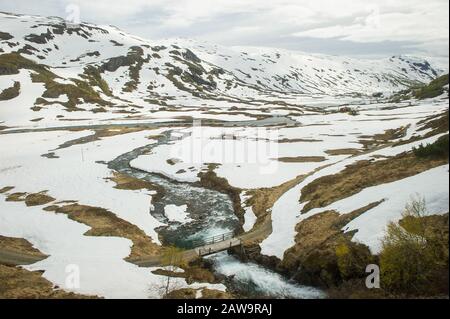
x=322 y=250
x=11 y=63
x=130 y=183
x=105 y=223
x=93 y=76
x=11 y=92
x=18 y=283
x=433 y=89
x=302 y=159
x=38 y=199
x=101 y=221
x=4 y=36
x=438 y=149
x=354 y=178
x=437 y=123
x=24 y=284
x=19 y=245
x=343 y=151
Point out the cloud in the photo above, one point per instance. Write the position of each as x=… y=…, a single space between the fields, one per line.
x=328 y=26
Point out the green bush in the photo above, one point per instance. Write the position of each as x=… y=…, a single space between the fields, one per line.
x=438 y=149
x=434 y=89
x=414 y=256
x=352 y=259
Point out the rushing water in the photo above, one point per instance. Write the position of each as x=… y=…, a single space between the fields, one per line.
x=211 y=213
x=253 y=280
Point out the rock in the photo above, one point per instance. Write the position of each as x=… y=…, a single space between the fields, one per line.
x=5 y=36
x=190 y=56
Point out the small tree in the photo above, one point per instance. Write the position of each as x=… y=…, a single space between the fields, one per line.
x=411 y=255
x=172 y=258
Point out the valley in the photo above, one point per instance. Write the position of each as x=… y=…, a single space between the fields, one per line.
x=119 y=153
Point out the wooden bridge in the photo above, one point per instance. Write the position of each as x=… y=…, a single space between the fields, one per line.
x=216 y=244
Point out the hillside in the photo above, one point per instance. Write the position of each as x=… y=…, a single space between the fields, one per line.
x=124 y=158
x=101 y=66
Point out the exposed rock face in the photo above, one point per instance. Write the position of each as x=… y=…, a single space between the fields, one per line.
x=11 y=92
x=134 y=55
x=5 y=36
x=42 y=38
x=190 y=56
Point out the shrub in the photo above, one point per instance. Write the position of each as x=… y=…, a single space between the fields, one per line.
x=352 y=259
x=349 y=110
x=434 y=89
x=413 y=257
x=438 y=149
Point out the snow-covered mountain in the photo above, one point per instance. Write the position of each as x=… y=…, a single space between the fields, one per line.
x=100 y=66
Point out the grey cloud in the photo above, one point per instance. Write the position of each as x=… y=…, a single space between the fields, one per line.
x=259 y=27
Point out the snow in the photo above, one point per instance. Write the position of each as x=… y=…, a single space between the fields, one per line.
x=286 y=211
x=18 y=111
x=24 y=168
x=99 y=260
x=255 y=81
x=249 y=215
x=432 y=185
x=177 y=213
x=250 y=219
x=257 y=75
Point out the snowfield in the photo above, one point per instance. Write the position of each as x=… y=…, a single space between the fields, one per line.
x=259 y=118
x=78 y=166
x=99 y=260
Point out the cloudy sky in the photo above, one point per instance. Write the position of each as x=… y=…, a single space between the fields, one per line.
x=352 y=27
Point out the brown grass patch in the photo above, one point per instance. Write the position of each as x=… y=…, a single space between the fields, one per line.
x=18 y=283
x=19 y=245
x=16 y=197
x=6 y=189
x=437 y=123
x=101 y=221
x=127 y=182
x=354 y=178
x=370 y=142
x=299 y=140
x=262 y=200
x=38 y=199
x=105 y=223
x=189 y=293
x=343 y=151
x=302 y=159
x=315 y=246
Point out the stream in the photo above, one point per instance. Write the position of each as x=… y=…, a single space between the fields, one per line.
x=210 y=213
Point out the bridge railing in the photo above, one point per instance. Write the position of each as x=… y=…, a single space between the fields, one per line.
x=214 y=239
x=204 y=251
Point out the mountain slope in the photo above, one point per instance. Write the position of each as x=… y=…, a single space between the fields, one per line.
x=123 y=69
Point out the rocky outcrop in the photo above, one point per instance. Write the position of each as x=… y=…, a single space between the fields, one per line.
x=4 y=36
x=190 y=56
x=42 y=38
